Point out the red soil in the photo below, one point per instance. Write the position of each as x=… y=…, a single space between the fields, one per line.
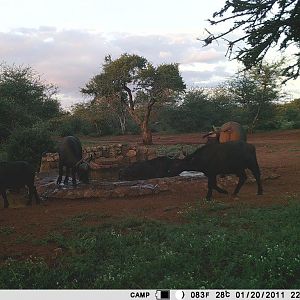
x=277 y=152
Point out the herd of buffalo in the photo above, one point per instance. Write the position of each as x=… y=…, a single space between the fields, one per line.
x=226 y=152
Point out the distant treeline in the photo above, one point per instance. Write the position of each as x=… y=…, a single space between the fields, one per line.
x=31 y=114
x=197 y=111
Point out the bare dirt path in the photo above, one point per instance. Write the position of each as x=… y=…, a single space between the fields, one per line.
x=278 y=152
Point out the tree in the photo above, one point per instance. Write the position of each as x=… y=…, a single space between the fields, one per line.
x=136 y=83
x=100 y=116
x=24 y=99
x=115 y=108
x=196 y=112
x=288 y=114
x=266 y=24
x=255 y=90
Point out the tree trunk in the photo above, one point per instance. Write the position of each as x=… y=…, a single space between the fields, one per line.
x=122 y=121
x=97 y=128
x=146 y=134
x=251 y=129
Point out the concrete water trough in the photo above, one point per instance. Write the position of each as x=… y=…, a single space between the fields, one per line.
x=105 y=166
x=47 y=187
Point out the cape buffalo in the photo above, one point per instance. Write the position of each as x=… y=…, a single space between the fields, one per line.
x=17 y=174
x=70 y=157
x=153 y=168
x=226 y=158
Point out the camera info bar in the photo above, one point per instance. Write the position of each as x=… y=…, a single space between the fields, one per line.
x=148 y=294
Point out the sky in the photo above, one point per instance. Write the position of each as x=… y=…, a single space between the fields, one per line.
x=66 y=41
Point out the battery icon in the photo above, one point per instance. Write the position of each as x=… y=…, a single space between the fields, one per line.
x=162 y=294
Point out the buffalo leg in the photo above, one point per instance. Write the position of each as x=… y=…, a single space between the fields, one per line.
x=242 y=178
x=212 y=184
x=74 y=176
x=3 y=193
x=209 y=191
x=60 y=173
x=30 y=188
x=256 y=174
x=66 y=181
x=254 y=168
x=216 y=187
x=36 y=196
x=33 y=192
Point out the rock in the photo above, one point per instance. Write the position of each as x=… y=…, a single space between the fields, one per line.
x=131 y=153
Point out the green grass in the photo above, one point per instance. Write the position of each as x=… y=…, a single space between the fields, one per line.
x=219 y=247
x=172 y=150
x=7 y=230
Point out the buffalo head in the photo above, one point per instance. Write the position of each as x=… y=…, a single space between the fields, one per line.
x=83 y=169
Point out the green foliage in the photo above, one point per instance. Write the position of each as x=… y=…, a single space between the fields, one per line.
x=255 y=92
x=198 y=111
x=266 y=24
x=244 y=249
x=97 y=118
x=173 y=150
x=288 y=115
x=24 y=99
x=29 y=144
x=7 y=230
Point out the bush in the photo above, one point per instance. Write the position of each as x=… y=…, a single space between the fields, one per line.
x=287 y=124
x=29 y=144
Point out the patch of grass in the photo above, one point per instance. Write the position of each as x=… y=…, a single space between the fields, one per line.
x=23 y=238
x=55 y=238
x=173 y=150
x=75 y=221
x=7 y=230
x=218 y=247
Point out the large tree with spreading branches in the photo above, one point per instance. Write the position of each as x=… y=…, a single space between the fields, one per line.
x=136 y=84
x=265 y=24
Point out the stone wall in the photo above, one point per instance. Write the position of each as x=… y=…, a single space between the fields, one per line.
x=105 y=156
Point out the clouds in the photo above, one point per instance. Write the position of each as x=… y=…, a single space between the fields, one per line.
x=69 y=58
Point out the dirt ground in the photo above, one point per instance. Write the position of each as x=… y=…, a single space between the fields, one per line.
x=277 y=152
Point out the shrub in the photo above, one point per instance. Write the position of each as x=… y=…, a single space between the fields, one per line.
x=29 y=144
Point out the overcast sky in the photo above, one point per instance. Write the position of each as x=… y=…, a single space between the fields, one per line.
x=66 y=41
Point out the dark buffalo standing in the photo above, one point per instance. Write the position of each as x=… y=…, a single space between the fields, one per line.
x=154 y=168
x=17 y=174
x=227 y=158
x=70 y=156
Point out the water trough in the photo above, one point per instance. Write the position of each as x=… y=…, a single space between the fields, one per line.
x=105 y=166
